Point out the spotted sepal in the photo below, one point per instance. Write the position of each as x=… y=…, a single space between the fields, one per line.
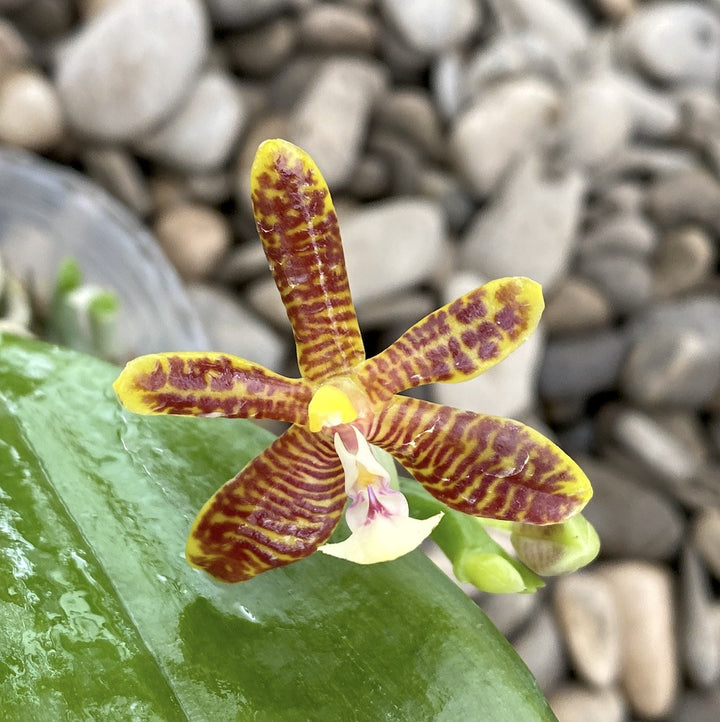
x=482 y=465
x=458 y=341
x=279 y=509
x=296 y=221
x=210 y=384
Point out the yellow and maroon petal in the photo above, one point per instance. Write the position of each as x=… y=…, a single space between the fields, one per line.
x=279 y=509
x=459 y=340
x=210 y=384
x=482 y=465
x=296 y=220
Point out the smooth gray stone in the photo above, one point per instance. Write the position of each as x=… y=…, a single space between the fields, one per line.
x=633 y=519
x=579 y=366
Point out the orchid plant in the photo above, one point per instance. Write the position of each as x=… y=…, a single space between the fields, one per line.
x=285 y=504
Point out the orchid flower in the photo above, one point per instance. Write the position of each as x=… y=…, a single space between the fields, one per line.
x=285 y=503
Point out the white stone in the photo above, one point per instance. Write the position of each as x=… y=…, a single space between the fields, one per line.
x=644 y=599
x=674 y=42
x=588 y=619
x=330 y=120
x=130 y=65
x=194 y=237
x=202 y=133
x=530 y=229
x=503 y=126
x=30 y=112
x=431 y=26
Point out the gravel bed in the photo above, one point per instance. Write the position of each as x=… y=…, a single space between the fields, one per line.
x=574 y=142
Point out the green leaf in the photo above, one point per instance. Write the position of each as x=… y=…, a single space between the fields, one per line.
x=101 y=618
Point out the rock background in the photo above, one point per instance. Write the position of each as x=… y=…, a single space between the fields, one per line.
x=574 y=142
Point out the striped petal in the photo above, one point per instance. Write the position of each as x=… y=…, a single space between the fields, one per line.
x=210 y=384
x=296 y=220
x=279 y=509
x=459 y=340
x=482 y=465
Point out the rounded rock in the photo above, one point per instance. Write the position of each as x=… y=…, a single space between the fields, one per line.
x=644 y=600
x=632 y=519
x=673 y=366
x=432 y=27
x=501 y=128
x=530 y=228
x=338 y=28
x=674 y=42
x=30 y=112
x=574 y=703
x=331 y=118
x=576 y=305
x=194 y=237
x=116 y=79
x=588 y=619
x=202 y=133
x=685 y=258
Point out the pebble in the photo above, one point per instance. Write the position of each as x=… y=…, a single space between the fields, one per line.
x=505 y=123
x=661 y=454
x=446 y=80
x=433 y=27
x=407 y=308
x=625 y=279
x=579 y=366
x=234 y=14
x=194 y=237
x=30 y=113
x=393 y=245
x=690 y=196
x=509 y=612
x=628 y=232
x=262 y=50
x=706 y=537
x=700 y=638
x=530 y=228
x=685 y=257
x=576 y=305
x=643 y=598
x=595 y=125
x=588 y=619
x=698 y=706
x=576 y=703
x=92 y=70
x=633 y=519
x=337 y=28
x=561 y=23
x=14 y=50
x=372 y=179
x=410 y=114
x=540 y=647
x=452 y=195
x=202 y=133
x=671 y=365
x=401 y=157
x=233 y=329
x=505 y=56
x=655 y=114
x=116 y=170
x=674 y=42
x=331 y=118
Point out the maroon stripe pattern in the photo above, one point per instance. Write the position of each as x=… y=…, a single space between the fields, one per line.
x=458 y=341
x=283 y=505
x=296 y=221
x=482 y=465
x=211 y=384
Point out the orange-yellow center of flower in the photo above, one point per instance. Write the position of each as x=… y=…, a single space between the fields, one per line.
x=330 y=407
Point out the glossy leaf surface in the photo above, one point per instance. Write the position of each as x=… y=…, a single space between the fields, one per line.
x=102 y=618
